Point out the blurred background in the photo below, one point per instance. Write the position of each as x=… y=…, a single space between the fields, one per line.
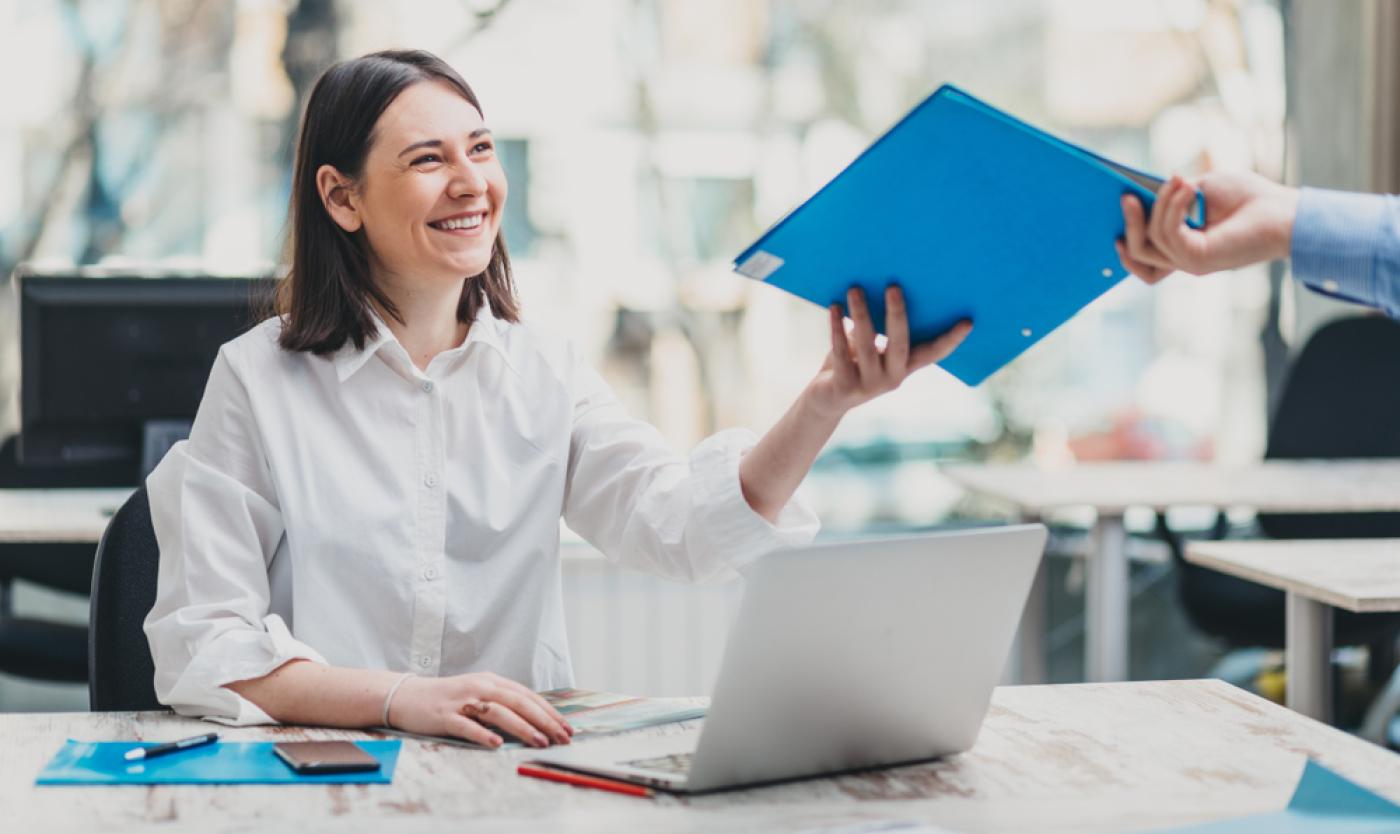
x=647 y=142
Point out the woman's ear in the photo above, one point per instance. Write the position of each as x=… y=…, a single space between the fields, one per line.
x=337 y=195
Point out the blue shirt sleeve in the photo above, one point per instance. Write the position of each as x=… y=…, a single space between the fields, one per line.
x=1348 y=246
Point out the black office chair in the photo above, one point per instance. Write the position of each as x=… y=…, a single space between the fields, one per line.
x=1341 y=400
x=121 y=673
x=33 y=647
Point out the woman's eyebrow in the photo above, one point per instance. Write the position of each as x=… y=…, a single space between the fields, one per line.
x=437 y=143
x=426 y=143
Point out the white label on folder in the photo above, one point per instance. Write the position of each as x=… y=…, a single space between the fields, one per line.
x=759 y=265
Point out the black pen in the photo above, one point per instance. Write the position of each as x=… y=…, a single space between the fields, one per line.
x=138 y=753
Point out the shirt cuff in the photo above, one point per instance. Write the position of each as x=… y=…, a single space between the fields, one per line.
x=733 y=528
x=1336 y=235
x=236 y=655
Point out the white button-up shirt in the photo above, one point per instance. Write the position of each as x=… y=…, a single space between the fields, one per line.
x=357 y=511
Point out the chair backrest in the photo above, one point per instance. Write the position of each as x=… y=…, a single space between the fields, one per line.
x=1341 y=400
x=121 y=675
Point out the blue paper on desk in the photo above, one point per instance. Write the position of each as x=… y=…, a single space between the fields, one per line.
x=976 y=215
x=1323 y=801
x=220 y=763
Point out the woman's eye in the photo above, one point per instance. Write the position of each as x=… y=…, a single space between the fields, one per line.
x=432 y=157
x=484 y=147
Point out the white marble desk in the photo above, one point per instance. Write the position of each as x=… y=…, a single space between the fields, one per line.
x=1112 y=488
x=1079 y=758
x=30 y=516
x=1316 y=575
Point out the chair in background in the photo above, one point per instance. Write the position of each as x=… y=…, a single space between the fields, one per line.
x=33 y=647
x=121 y=673
x=1341 y=399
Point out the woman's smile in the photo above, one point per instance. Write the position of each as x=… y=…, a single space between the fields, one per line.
x=461 y=224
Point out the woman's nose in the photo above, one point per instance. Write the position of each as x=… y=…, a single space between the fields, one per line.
x=469 y=180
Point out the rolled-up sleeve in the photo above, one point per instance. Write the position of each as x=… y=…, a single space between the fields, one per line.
x=646 y=507
x=1348 y=246
x=218 y=526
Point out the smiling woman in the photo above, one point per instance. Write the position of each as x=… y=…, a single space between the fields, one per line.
x=393 y=144
x=363 y=527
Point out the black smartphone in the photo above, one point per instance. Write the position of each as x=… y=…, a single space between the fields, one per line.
x=325 y=756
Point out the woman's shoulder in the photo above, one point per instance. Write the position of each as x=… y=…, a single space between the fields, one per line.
x=258 y=347
x=531 y=347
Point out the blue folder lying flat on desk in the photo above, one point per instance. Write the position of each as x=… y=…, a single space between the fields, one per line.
x=220 y=763
x=976 y=215
x=1322 y=802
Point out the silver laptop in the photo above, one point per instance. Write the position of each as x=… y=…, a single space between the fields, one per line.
x=844 y=657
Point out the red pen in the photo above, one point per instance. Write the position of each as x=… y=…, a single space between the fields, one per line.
x=581 y=781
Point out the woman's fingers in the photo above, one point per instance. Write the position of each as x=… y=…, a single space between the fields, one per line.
x=542 y=717
x=939 y=349
x=841 y=363
x=539 y=700
x=897 y=333
x=867 y=357
x=463 y=727
x=503 y=714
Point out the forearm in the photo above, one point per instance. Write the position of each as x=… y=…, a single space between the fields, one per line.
x=772 y=470
x=1348 y=245
x=302 y=692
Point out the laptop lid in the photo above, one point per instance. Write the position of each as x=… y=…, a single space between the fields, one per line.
x=845 y=656
x=865 y=653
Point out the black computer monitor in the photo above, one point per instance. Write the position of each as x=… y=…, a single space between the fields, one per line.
x=112 y=368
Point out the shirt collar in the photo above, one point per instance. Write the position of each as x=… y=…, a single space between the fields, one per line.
x=486 y=329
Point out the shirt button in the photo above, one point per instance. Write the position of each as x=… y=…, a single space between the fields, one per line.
x=427 y=386
x=430 y=572
x=1330 y=286
x=430 y=481
x=425 y=661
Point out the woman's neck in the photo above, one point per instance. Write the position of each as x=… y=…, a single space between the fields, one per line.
x=429 y=323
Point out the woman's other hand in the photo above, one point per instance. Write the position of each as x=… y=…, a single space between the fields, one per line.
x=474 y=707
x=1248 y=219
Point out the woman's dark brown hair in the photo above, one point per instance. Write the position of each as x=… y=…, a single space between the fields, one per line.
x=327 y=297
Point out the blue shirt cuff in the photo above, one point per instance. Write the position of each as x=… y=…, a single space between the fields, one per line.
x=1336 y=236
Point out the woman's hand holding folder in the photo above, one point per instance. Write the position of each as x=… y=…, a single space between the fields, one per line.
x=859 y=368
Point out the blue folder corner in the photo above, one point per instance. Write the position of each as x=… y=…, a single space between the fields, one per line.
x=1322 y=802
x=976 y=215
x=221 y=763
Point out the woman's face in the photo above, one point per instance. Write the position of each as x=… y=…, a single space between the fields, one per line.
x=432 y=191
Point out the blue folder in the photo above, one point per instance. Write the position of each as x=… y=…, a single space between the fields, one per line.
x=1322 y=802
x=220 y=763
x=975 y=214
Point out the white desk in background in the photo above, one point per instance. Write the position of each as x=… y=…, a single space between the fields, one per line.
x=34 y=516
x=1304 y=486
x=1360 y=575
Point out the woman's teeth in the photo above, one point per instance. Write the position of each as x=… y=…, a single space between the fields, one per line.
x=470 y=222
